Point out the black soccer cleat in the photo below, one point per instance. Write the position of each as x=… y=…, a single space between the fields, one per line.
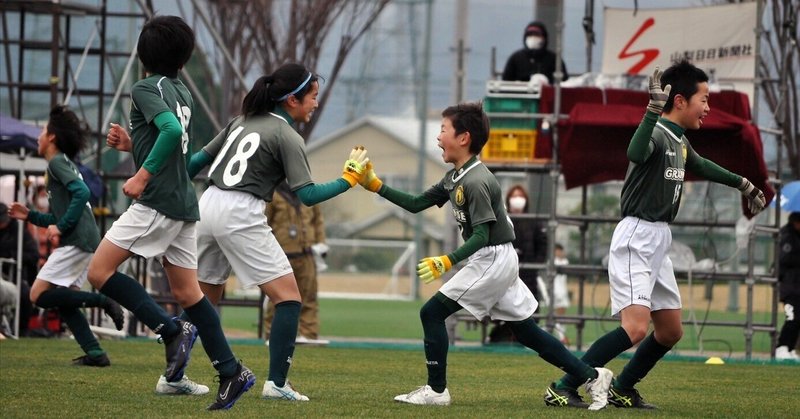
x=92 y=361
x=630 y=399
x=114 y=310
x=231 y=388
x=563 y=397
x=178 y=349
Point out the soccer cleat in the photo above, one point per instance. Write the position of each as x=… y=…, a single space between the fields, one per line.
x=287 y=392
x=630 y=399
x=90 y=361
x=598 y=388
x=425 y=396
x=113 y=309
x=568 y=397
x=231 y=388
x=178 y=349
x=183 y=386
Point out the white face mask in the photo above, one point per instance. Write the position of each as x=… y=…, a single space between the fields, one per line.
x=517 y=203
x=43 y=203
x=534 y=42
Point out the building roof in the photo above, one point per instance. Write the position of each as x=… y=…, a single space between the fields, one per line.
x=404 y=130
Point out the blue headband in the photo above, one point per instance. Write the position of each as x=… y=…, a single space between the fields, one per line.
x=299 y=88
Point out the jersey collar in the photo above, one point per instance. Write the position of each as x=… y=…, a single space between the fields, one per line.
x=280 y=113
x=672 y=128
x=469 y=165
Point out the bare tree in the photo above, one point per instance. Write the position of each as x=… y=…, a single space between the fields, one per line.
x=268 y=33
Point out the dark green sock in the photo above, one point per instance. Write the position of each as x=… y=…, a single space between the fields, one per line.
x=550 y=349
x=602 y=351
x=131 y=295
x=79 y=327
x=209 y=329
x=281 y=340
x=69 y=298
x=645 y=358
x=433 y=315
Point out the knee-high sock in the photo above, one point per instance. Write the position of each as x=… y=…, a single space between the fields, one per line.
x=209 y=328
x=433 y=315
x=69 y=298
x=79 y=327
x=131 y=295
x=550 y=349
x=281 y=340
x=645 y=358
x=603 y=350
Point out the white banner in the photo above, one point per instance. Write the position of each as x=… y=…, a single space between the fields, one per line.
x=719 y=39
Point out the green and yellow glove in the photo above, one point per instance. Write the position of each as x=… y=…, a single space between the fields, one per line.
x=355 y=166
x=432 y=268
x=370 y=180
x=658 y=97
x=755 y=197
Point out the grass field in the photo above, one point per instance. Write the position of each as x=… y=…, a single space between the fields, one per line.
x=38 y=382
x=400 y=320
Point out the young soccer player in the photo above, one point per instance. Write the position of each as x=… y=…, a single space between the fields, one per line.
x=161 y=222
x=255 y=153
x=489 y=283
x=71 y=229
x=643 y=285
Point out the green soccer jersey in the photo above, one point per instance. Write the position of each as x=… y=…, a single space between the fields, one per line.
x=476 y=198
x=169 y=191
x=653 y=189
x=256 y=154
x=60 y=172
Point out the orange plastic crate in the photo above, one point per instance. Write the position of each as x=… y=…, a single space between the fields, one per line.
x=510 y=145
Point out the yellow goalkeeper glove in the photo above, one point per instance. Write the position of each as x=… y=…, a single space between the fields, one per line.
x=370 y=180
x=355 y=166
x=432 y=268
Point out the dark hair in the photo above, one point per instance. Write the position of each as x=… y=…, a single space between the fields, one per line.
x=165 y=45
x=70 y=132
x=794 y=217
x=559 y=246
x=684 y=77
x=469 y=117
x=524 y=193
x=268 y=91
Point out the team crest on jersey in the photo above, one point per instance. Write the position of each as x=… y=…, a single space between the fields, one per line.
x=460 y=195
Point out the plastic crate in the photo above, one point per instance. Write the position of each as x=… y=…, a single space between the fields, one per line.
x=510 y=145
x=510 y=104
x=505 y=123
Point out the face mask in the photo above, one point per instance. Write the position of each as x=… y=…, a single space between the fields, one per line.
x=517 y=203
x=534 y=42
x=42 y=203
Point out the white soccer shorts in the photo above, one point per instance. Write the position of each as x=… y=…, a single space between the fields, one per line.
x=490 y=285
x=233 y=233
x=639 y=269
x=67 y=266
x=149 y=233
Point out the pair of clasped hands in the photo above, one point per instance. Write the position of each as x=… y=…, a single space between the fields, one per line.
x=358 y=169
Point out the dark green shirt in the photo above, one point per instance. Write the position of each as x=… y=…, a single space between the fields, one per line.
x=256 y=154
x=476 y=198
x=654 y=182
x=169 y=191
x=82 y=232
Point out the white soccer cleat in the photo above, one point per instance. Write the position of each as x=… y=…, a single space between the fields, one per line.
x=598 y=388
x=287 y=392
x=782 y=353
x=183 y=386
x=425 y=396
